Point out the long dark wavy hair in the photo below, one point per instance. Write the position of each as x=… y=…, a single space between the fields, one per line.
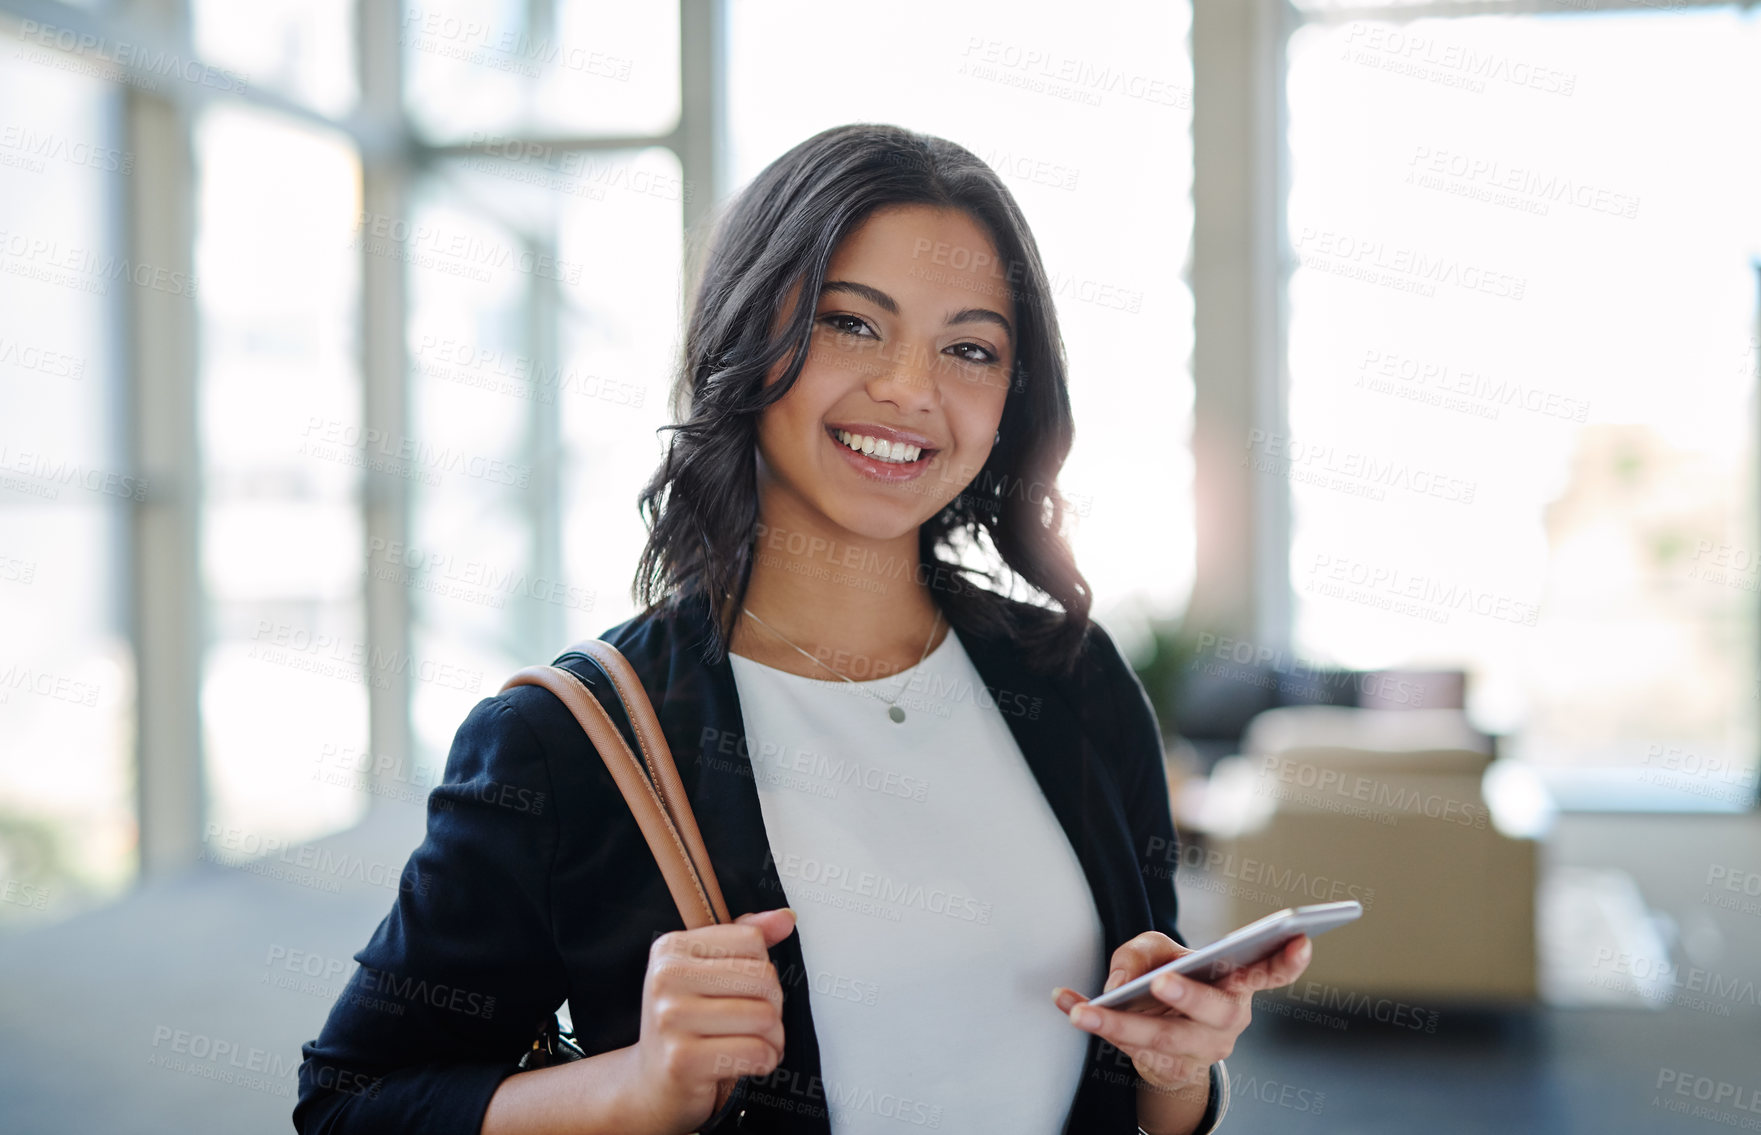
x=701 y=504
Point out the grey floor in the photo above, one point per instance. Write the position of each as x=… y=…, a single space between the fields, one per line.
x=92 y=1008
x=181 y=1009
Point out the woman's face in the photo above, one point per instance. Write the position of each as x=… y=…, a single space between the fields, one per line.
x=913 y=347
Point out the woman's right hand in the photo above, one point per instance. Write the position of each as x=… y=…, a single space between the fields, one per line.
x=712 y=1009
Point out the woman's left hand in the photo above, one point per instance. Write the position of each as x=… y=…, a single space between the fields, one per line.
x=1193 y=1025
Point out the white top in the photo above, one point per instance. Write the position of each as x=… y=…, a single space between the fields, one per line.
x=937 y=897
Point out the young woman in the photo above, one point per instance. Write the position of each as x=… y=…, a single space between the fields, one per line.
x=938 y=812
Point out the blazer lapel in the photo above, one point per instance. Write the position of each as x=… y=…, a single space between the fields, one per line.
x=1042 y=716
x=700 y=714
x=1087 y=804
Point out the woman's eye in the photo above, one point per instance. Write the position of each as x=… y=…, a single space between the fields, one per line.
x=979 y=354
x=848 y=324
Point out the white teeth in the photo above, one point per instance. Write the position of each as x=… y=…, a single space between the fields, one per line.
x=894 y=452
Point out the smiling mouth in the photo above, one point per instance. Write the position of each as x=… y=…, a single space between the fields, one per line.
x=880 y=449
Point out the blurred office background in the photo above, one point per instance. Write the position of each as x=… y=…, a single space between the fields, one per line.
x=1413 y=352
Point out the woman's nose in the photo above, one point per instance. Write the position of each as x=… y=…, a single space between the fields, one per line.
x=910 y=376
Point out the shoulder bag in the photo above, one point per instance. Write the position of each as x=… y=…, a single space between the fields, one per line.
x=651 y=787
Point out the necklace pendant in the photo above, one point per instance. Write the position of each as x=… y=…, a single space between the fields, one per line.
x=895 y=713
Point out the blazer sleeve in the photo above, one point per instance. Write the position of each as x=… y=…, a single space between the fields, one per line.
x=1143 y=779
x=452 y=986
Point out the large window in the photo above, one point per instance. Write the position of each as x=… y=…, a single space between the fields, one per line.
x=1522 y=377
x=67 y=826
x=470 y=561
x=544 y=311
x=426 y=352
x=479 y=69
x=288 y=669
x=618 y=340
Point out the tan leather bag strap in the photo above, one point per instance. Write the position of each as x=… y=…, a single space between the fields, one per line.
x=658 y=758
x=650 y=785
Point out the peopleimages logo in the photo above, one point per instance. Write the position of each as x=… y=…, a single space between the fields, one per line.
x=881 y=888
x=231 y=1062
x=1383 y=1010
x=1403 y=268
x=379 y=444
x=49 y=475
x=1703 y=1097
x=1663 y=982
x=1439 y=384
x=1409 y=593
x=84 y=269
x=1292 y=456
x=1250 y=872
x=305 y=864
x=1403 y=51
x=1519 y=187
x=1268 y=667
x=1380 y=798
x=437 y=994
x=157 y=62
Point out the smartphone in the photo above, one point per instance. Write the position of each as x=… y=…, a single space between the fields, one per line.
x=1252 y=943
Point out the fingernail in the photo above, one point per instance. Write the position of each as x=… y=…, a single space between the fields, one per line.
x=1113 y=979
x=1085 y=1017
x=1169 y=990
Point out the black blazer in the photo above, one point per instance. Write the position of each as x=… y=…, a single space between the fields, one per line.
x=533 y=885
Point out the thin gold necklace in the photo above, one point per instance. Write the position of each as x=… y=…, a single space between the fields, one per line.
x=894 y=711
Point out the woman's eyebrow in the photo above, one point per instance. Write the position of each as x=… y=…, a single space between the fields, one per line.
x=874 y=296
x=887 y=304
x=981 y=315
